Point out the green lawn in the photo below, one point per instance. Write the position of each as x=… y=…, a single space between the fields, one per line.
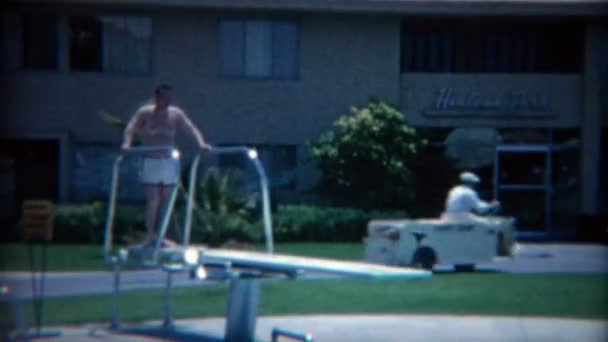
x=558 y=295
x=15 y=257
x=576 y=296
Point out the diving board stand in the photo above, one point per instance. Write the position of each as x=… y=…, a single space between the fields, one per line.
x=244 y=270
x=245 y=292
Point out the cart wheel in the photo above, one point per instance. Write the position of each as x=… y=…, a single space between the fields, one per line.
x=464 y=268
x=424 y=257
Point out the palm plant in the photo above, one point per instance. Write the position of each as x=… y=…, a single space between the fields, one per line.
x=222 y=210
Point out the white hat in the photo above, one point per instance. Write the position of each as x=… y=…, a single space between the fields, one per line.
x=469 y=177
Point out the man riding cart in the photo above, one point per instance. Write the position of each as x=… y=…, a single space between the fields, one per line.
x=467 y=233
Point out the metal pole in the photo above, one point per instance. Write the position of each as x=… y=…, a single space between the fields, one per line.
x=41 y=289
x=231 y=149
x=265 y=206
x=263 y=184
x=35 y=287
x=115 y=320
x=107 y=246
x=242 y=310
x=168 y=322
x=497 y=173
x=278 y=332
x=190 y=201
x=549 y=185
x=20 y=321
x=165 y=224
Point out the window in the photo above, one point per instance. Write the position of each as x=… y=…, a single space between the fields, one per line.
x=110 y=44
x=258 y=48
x=85 y=43
x=102 y=44
x=39 y=37
x=480 y=46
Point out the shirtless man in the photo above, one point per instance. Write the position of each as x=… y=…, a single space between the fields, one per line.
x=157 y=124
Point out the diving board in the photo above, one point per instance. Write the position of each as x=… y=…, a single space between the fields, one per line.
x=290 y=264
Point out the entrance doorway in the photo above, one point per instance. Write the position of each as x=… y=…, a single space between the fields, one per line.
x=536 y=180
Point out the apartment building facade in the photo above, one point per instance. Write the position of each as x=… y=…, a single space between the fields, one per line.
x=276 y=74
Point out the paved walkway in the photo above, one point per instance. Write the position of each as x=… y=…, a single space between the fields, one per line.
x=381 y=328
x=553 y=258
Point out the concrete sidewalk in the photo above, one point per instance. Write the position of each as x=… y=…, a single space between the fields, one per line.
x=366 y=328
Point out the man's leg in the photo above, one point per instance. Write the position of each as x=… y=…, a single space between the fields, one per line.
x=153 y=198
x=165 y=194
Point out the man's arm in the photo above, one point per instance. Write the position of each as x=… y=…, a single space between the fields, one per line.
x=131 y=128
x=185 y=121
x=483 y=207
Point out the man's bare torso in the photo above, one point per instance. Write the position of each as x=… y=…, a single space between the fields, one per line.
x=158 y=127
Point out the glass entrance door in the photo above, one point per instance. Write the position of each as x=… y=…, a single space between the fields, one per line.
x=537 y=183
x=523 y=184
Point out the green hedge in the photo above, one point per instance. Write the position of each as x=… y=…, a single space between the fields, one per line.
x=215 y=229
x=85 y=223
x=310 y=223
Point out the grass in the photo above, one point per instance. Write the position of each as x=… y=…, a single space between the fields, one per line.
x=15 y=257
x=554 y=295
x=485 y=294
x=574 y=296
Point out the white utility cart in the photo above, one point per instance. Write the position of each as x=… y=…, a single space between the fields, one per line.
x=425 y=243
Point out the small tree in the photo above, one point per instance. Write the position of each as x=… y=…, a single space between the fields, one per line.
x=366 y=159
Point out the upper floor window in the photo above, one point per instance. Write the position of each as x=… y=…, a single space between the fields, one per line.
x=39 y=34
x=258 y=48
x=85 y=43
x=492 y=47
x=110 y=44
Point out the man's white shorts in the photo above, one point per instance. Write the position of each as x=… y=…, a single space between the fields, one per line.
x=160 y=171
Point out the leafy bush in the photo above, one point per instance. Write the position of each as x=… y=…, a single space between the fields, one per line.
x=366 y=159
x=129 y=224
x=76 y=223
x=85 y=223
x=215 y=229
x=309 y=223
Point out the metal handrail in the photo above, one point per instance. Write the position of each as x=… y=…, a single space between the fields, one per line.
x=249 y=153
x=252 y=155
x=190 y=200
x=148 y=149
x=108 y=233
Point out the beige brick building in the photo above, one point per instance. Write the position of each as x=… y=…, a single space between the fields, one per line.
x=277 y=73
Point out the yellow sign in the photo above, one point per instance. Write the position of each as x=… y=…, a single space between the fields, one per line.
x=38 y=220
